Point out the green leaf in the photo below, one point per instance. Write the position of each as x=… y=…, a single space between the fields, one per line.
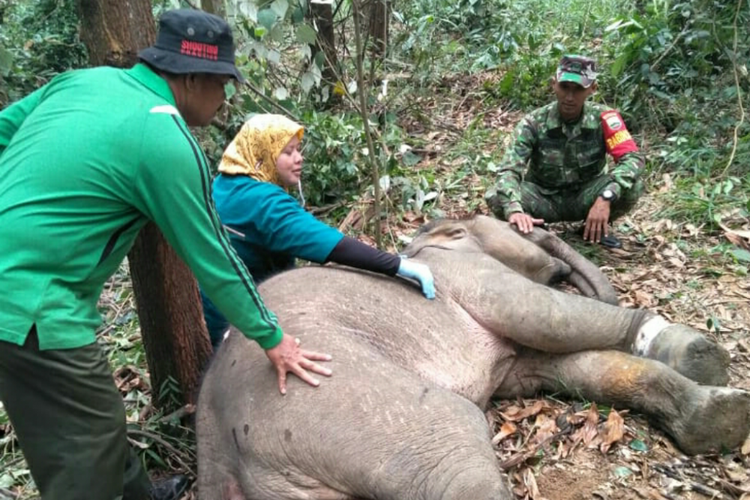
x=230 y=90
x=280 y=93
x=267 y=18
x=622 y=471
x=277 y=33
x=249 y=10
x=638 y=445
x=741 y=254
x=713 y=324
x=613 y=26
x=320 y=59
x=298 y=15
x=307 y=81
x=6 y=481
x=411 y=159
x=280 y=7
x=6 y=61
x=620 y=63
x=273 y=56
x=306 y=34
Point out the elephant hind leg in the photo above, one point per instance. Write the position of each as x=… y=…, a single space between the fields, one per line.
x=701 y=419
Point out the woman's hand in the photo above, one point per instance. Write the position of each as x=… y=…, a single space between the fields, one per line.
x=288 y=357
x=419 y=272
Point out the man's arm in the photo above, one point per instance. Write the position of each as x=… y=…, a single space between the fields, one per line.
x=512 y=167
x=14 y=115
x=620 y=145
x=172 y=188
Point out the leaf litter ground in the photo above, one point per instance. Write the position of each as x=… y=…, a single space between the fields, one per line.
x=551 y=448
x=565 y=450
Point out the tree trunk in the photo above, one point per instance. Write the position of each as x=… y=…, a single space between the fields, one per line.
x=171 y=319
x=378 y=25
x=321 y=13
x=213 y=7
x=115 y=30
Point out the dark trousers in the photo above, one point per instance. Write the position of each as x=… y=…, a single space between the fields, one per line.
x=572 y=204
x=70 y=422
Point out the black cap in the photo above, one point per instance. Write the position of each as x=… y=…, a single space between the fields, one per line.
x=193 y=41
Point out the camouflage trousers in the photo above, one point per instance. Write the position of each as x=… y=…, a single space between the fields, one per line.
x=572 y=204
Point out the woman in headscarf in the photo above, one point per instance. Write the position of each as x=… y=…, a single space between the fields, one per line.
x=269 y=228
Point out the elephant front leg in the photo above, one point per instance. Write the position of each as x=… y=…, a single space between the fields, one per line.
x=701 y=419
x=551 y=321
x=683 y=349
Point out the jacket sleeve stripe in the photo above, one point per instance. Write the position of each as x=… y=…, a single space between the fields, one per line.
x=239 y=268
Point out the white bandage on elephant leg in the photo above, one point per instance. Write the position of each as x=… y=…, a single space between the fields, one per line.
x=647 y=333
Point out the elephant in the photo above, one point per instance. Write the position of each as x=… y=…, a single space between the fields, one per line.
x=402 y=416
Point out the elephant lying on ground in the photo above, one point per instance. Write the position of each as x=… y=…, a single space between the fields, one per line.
x=401 y=417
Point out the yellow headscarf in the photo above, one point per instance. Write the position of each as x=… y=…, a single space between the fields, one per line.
x=257 y=146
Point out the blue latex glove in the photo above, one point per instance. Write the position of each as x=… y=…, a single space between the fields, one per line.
x=419 y=272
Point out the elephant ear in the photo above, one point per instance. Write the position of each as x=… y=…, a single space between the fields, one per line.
x=584 y=274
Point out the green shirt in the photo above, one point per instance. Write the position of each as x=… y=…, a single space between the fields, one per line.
x=85 y=162
x=560 y=156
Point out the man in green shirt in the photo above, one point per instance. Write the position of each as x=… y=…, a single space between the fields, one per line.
x=85 y=162
x=554 y=169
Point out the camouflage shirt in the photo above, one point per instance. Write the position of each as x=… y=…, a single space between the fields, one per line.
x=561 y=156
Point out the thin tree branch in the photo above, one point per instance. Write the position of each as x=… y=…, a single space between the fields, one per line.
x=739 y=92
x=374 y=168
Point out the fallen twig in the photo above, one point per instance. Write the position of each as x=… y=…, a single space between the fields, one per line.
x=697 y=487
x=179 y=413
x=177 y=454
x=522 y=456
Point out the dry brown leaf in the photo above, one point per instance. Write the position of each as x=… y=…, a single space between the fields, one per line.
x=737 y=237
x=745 y=449
x=506 y=430
x=644 y=299
x=676 y=262
x=530 y=482
x=667 y=183
x=546 y=428
x=514 y=413
x=590 y=425
x=612 y=431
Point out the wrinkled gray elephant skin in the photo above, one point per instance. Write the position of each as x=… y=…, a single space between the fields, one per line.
x=402 y=415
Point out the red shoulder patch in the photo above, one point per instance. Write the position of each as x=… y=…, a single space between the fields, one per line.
x=616 y=136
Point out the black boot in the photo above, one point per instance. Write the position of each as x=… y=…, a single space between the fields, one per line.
x=170 y=488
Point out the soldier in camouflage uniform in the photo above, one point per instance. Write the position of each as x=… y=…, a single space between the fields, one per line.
x=562 y=150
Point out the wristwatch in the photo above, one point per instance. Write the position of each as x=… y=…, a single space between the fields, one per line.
x=608 y=195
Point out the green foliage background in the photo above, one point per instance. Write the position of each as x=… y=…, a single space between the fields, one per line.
x=676 y=70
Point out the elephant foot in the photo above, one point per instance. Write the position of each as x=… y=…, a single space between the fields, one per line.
x=684 y=350
x=714 y=419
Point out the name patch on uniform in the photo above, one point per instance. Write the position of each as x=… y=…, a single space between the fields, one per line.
x=616 y=137
x=613 y=120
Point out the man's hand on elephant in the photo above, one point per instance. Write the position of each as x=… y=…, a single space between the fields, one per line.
x=524 y=222
x=597 y=221
x=419 y=272
x=288 y=357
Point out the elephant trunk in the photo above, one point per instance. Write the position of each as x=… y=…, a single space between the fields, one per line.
x=584 y=274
